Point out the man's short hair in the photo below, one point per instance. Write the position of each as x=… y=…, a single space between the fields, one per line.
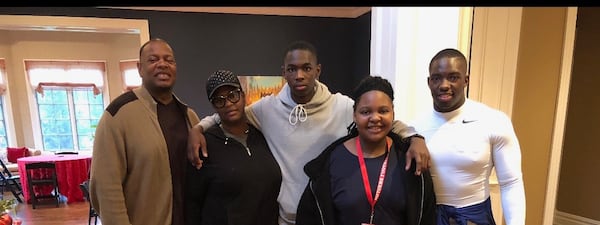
x=448 y=53
x=150 y=41
x=301 y=45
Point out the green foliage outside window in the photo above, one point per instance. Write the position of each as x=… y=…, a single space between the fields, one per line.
x=67 y=117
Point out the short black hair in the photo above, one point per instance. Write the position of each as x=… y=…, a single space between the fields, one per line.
x=301 y=45
x=371 y=83
x=448 y=53
x=150 y=41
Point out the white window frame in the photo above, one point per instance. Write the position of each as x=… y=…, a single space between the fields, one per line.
x=11 y=139
x=37 y=127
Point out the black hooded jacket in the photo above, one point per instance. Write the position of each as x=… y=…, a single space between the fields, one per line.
x=236 y=185
x=316 y=204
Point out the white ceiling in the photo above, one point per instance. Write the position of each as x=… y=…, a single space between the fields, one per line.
x=340 y=12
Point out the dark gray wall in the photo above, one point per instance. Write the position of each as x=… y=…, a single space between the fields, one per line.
x=245 y=44
x=362 y=50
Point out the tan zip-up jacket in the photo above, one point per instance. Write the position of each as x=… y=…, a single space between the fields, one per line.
x=131 y=176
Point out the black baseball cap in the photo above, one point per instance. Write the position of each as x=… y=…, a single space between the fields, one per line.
x=221 y=78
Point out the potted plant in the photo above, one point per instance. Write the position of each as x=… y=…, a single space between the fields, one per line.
x=5 y=206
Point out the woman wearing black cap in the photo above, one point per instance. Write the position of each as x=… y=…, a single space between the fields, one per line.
x=239 y=181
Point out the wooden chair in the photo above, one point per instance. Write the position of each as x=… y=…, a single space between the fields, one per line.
x=13 y=182
x=85 y=188
x=42 y=174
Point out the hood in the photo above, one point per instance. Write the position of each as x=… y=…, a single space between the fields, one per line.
x=322 y=95
x=301 y=112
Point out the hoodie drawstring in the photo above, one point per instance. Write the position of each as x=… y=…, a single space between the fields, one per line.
x=298 y=113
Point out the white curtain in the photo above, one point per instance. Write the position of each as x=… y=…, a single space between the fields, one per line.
x=131 y=76
x=403 y=41
x=71 y=74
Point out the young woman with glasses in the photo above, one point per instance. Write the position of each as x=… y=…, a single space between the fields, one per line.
x=239 y=181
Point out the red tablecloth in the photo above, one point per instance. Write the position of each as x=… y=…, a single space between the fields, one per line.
x=71 y=170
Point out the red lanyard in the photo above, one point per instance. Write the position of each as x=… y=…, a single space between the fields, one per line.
x=365 y=175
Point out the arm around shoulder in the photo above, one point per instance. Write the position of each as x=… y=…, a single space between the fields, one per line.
x=208 y=121
x=403 y=129
x=196 y=143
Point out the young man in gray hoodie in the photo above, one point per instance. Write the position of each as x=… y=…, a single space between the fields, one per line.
x=299 y=122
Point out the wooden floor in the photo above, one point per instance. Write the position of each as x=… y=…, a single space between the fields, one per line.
x=66 y=214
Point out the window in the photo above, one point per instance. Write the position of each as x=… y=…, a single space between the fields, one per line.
x=131 y=77
x=69 y=102
x=3 y=133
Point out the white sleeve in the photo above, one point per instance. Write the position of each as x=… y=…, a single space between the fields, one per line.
x=507 y=162
x=209 y=121
x=254 y=112
x=403 y=129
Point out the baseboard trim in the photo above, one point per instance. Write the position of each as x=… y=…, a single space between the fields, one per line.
x=563 y=218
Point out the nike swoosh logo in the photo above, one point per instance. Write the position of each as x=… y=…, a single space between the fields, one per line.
x=468 y=121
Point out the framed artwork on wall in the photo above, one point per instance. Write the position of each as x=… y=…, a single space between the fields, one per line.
x=258 y=86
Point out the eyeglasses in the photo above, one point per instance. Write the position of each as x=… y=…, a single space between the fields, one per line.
x=233 y=96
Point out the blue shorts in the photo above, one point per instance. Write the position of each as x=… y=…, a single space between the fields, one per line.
x=479 y=214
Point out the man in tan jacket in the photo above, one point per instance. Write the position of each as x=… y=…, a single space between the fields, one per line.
x=138 y=164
